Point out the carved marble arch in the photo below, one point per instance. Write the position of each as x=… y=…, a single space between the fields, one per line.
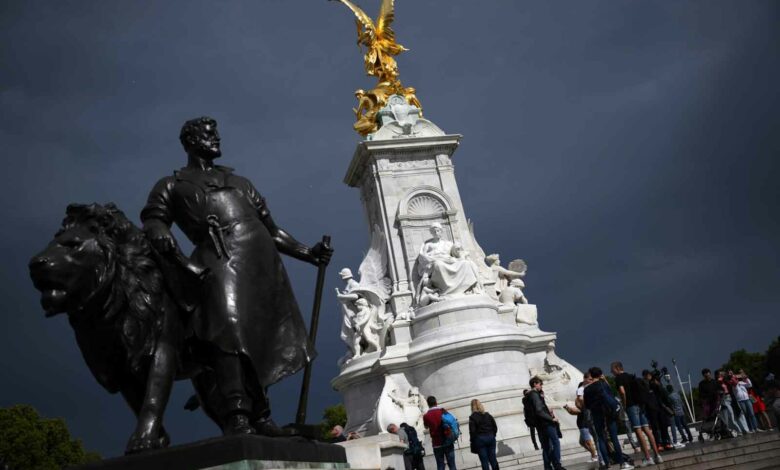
x=425 y=202
x=417 y=212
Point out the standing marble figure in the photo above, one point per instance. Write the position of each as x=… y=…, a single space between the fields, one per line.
x=247 y=329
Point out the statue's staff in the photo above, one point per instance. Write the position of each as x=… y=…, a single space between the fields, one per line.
x=300 y=417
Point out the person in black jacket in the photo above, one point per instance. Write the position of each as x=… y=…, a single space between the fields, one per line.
x=482 y=432
x=708 y=394
x=598 y=398
x=529 y=413
x=654 y=413
x=547 y=426
x=664 y=409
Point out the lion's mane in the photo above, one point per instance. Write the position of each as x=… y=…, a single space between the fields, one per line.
x=130 y=279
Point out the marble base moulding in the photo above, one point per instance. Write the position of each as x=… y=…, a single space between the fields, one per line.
x=378 y=452
x=247 y=452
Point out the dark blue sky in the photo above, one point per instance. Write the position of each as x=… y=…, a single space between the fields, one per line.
x=628 y=150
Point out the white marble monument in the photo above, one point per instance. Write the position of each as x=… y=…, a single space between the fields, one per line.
x=431 y=313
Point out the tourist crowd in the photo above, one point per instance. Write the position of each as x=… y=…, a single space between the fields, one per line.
x=653 y=414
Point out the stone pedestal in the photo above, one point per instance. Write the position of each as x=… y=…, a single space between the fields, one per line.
x=464 y=347
x=234 y=453
x=378 y=452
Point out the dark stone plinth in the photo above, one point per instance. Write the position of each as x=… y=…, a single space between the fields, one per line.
x=253 y=451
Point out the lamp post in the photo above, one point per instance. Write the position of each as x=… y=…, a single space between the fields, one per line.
x=688 y=405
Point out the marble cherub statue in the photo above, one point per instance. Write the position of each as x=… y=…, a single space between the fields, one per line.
x=348 y=315
x=365 y=319
x=513 y=295
x=501 y=275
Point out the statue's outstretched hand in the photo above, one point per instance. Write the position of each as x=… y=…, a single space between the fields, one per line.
x=321 y=253
x=161 y=237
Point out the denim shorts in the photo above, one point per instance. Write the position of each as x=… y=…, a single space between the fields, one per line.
x=585 y=435
x=637 y=417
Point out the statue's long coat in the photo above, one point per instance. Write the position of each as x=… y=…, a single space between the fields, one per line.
x=247 y=304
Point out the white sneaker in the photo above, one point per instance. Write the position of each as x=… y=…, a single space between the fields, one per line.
x=657 y=459
x=646 y=463
x=626 y=466
x=679 y=445
x=594 y=459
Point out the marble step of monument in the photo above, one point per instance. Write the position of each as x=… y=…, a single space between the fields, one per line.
x=533 y=459
x=717 y=454
x=753 y=452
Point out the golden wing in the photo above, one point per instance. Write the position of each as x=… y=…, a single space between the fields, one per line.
x=385 y=19
x=364 y=19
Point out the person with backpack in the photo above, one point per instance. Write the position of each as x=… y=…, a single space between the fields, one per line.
x=415 y=451
x=634 y=394
x=408 y=436
x=546 y=424
x=605 y=412
x=444 y=431
x=404 y=438
x=482 y=433
x=528 y=417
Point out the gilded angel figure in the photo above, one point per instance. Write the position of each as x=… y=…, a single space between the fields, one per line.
x=381 y=47
x=379 y=39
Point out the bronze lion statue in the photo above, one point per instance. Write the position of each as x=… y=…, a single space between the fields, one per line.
x=99 y=269
x=102 y=272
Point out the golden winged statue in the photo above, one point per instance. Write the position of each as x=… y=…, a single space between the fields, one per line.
x=379 y=39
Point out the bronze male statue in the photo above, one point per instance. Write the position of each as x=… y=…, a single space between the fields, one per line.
x=246 y=328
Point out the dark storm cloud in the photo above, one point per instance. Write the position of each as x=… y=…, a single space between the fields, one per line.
x=627 y=150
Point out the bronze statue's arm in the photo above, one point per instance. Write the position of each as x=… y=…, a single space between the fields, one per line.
x=156 y=217
x=285 y=243
x=288 y=245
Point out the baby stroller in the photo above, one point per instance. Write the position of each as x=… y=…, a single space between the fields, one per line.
x=713 y=426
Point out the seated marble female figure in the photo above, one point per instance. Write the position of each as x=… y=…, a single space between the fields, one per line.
x=444 y=269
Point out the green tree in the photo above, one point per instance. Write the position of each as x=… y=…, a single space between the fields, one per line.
x=332 y=416
x=754 y=365
x=28 y=441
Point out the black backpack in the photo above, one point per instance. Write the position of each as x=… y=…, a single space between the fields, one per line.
x=650 y=400
x=611 y=405
x=529 y=414
x=415 y=446
x=643 y=395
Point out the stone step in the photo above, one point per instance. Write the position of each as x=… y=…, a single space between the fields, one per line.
x=760 y=451
x=533 y=458
x=705 y=455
